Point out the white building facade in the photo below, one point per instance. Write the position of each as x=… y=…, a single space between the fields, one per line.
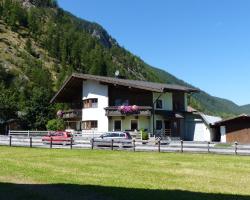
x=113 y=104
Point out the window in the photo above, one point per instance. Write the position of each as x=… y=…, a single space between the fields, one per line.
x=89 y=125
x=119 y=102
x=90 y=103
x=159 y=104
x=117 y=125
x=122 y=135
x=158 y=125
x=134 y=124
x=125 y=102
x=106 y=135
x=114 y=135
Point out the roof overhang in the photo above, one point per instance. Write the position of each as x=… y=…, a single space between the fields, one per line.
x=72 y=87
x=240 y=117
x=70 y=90
x=169 y=114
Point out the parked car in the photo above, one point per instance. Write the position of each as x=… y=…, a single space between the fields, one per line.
x=121 y=139
x=58 y=137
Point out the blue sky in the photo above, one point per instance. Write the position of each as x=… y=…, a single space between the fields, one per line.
x=204 y=42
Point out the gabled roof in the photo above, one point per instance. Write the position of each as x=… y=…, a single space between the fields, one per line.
x=210 y=120
x=75 y=80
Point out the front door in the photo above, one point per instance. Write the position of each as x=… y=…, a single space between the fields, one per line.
x=134 y=125
x=117 y=125
x=168 y=129
x=176 y=128
x=172 y=128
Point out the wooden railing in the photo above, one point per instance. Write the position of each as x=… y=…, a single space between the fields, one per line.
x=27 y=133
x=142 y=111
x=72 y=114
x=168 y=132
x=84 y=134
x=129 y=145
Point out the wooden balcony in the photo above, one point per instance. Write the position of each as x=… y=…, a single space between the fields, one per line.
x=72 y=114
x=113 y=111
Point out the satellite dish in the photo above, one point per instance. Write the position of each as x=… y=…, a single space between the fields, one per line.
x=117 y=73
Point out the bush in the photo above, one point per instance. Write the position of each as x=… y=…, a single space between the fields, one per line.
x=55 y=124
x=144 y=135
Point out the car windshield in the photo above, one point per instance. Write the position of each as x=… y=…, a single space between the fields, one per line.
x=128 y=136
x=112 y=134
x=106 y=135
x=56 y=134
x=115 y=134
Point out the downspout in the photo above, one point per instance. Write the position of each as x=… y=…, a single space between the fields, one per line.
x=154 y=112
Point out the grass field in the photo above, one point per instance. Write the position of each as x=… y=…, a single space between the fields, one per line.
x=93 y=175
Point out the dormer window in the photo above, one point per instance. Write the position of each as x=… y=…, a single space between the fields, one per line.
x=90 y=103
x=159 y=104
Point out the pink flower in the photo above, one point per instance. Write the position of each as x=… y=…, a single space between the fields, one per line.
x=128 y=109
x=135 y=107
x=120 y=108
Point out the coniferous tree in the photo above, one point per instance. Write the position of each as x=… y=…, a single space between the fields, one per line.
x=28 y=46
x=33 y=21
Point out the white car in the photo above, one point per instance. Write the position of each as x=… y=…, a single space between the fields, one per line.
x=116 y=135
x=120 y=139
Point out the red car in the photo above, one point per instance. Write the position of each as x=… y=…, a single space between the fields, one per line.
x=58 y=137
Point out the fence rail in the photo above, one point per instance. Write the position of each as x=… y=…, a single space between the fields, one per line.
x=128 y=145
x=28 y=133
x=84 y=134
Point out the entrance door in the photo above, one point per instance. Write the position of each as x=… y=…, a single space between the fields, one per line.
x=168 y=128
x=117 y=125
x=134 y=125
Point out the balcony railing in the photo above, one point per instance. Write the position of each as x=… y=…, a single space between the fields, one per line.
x=72 y=114
x=140 y=111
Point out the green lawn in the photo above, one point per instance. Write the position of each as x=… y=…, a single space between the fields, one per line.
x=84 y=174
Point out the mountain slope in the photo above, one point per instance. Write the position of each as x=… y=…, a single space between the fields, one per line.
x=41 y=44
x=245 y=109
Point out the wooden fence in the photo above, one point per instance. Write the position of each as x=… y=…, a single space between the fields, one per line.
x=129 y=145
x=28 y=133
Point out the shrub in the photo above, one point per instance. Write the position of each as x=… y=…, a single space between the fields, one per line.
x=55 y=124
x=144 y=135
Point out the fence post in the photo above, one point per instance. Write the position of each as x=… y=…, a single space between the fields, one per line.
x=92 y=143
x=112 y=144
x=134 y=145
x=181 y=146
x=208 y=147
x=10 y=141
x=30 y=142
x=236 y=148
x=51 y=142
x=159 y=145
x=71 y=142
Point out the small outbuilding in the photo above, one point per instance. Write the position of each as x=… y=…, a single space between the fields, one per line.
x=236 y=129
x=199 y=126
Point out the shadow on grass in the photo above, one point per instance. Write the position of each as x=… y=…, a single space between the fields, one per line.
x=10 y=191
